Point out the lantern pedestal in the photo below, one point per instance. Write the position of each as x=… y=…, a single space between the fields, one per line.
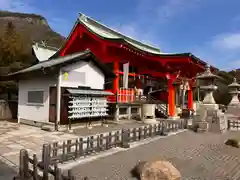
x=208 y=116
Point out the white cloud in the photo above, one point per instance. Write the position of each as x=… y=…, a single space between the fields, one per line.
x=229 y=41
x=159 y=11
x=149 y=14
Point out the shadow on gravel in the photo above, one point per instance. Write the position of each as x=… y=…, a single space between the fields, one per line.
x=6 y=172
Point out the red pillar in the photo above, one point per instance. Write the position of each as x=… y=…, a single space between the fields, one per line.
x=171 y=98
x=171 y=93
x=116 y=80
x=190 y=95
x=139 y=82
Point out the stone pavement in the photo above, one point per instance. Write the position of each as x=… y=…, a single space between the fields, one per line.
x=197 y=156
x=14 y=137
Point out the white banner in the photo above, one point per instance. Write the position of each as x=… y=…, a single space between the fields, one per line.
x=125 y=75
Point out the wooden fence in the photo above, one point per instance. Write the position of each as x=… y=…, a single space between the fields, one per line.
x=32 y=169
x=74 y=149
x=55 y=153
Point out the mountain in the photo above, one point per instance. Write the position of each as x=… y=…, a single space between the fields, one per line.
x=33 y=28
x=30 y=28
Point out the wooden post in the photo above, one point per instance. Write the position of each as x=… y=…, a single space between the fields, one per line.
x=125 y=138
x=46 y=160
x=58 y=110
x=57 y=172
x=35 y=168
x=23 y=164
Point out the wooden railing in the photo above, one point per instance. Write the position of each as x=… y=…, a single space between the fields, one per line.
x=57 y=152
x=234 y=124
x=32 y=169
x=74 y=149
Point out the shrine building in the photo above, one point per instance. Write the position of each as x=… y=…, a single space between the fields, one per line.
x=139 y=69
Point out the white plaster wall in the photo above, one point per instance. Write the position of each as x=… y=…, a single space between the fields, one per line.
x=94 y=77
x=34 y=112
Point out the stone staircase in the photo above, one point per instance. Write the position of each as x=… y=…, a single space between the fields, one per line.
x=161 y=107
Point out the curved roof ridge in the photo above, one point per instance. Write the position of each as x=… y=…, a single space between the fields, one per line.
x=85 y=19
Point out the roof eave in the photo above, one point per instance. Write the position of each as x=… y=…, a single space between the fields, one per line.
x=202 y=62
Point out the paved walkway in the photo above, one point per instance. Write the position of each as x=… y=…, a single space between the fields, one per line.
x=197 y=156
x=14 y=137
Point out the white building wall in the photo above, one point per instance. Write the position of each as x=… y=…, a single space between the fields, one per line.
x=87 y=75
x=34 y=112
x=93 y=78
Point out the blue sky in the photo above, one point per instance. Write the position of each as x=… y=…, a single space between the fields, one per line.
x=210 y=29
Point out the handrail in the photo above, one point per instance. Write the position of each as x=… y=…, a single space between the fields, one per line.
x=158 y=102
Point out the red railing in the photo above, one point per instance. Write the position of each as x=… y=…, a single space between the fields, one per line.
x=124 y=95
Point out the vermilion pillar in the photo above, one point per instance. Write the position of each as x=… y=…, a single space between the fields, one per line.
x=171 y=98
x=139 y=83
x=116 y=80
x=190 y=95
x=190 y=99
x=171 y=93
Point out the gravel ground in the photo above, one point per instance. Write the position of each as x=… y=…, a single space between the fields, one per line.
x=196 y=156
x=111 y=127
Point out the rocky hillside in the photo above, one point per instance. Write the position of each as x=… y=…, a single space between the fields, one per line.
x=33 y=28
x=16 y=49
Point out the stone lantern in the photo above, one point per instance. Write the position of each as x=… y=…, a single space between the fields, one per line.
x=208 y=116
x=233 y=90
x=207 y=85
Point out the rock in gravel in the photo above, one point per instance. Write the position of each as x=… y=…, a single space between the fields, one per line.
x=157 y=170
x=233 y=143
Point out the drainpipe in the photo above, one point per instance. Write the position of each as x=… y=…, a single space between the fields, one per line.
x=58 y=107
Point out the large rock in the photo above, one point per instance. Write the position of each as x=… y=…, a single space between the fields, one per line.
x=158 y=170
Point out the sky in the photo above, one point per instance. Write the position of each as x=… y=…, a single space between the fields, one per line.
x=210 y=29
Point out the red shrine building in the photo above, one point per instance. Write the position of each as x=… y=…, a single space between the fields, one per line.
x=149 y=69
x=147 y=63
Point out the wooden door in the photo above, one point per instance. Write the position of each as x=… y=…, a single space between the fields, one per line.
x=52 y=104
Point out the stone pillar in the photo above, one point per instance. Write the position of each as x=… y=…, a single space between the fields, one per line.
x=116 y=113
x=129 y=112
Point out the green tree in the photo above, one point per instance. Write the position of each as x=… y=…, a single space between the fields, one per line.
x=13 y=55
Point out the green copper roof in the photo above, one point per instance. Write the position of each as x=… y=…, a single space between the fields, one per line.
x=107 y=33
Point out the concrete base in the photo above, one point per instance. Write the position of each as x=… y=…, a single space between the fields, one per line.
x=174 y=117
x=150 y=121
